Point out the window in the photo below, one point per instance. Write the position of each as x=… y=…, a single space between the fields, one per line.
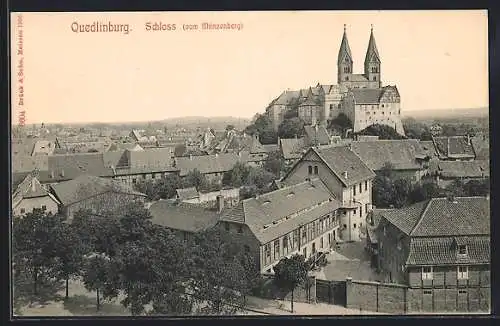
x=23 y=210
x=267 y=251
x=247 y=248
x=355 y=212
x=345 y=226
x=463 y=272
x=360 y=188
x=354 y=190
x=226 y=226
x=304 y=252
x=310 y=169
x=153 y=175
x=462 y=250
x=316 y=169
x=385 y=231
x=462 y=291
x=354 y=225
x=428 y=292
x=276 y=249
x=240 y=229
x=427 y=273
x=285 y=244
x=44 y=207
x=346 y=78
x=366 y=185
x=331 y=106
x=374 y=78
x=295 y=238
x=321 y=242
x=144 y=176
x=382 y=105
x=134 y=180
x=366 y=207
x=361 y=211
x=304 y=234
x=360 y=224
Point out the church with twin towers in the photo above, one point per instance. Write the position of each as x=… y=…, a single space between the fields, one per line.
x=361 y=97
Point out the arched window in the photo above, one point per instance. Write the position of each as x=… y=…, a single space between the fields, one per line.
x=310 y=169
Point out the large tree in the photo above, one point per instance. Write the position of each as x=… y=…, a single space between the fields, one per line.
x=290 y=128
x=290 y=272
x=196 y=179
x=34 y=246
x=264 y=127
x=382 y=131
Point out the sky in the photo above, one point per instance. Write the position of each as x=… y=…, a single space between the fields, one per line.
x=437 y=59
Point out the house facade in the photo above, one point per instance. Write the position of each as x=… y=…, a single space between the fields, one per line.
x=440 y=249
x=346 y=176
x=30 y=195
x=299 y=219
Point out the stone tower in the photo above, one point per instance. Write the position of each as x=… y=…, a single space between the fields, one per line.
x=372 y=61
x=344 y=61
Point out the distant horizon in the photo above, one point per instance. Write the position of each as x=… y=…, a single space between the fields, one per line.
x=436 y=58
x=427 y=112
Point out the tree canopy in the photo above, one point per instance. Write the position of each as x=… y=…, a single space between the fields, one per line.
x=290 y=272
x=382 y=131
x=291 y=128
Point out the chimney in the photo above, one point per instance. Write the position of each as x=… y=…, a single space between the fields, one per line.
x=345 y=174
x=220 y=203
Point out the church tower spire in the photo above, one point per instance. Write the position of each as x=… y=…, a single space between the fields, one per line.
x=344 y=61
x=372 y=62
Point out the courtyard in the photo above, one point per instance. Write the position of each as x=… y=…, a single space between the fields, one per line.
x=349 y=260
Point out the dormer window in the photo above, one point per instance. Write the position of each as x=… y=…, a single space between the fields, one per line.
x=462 y=250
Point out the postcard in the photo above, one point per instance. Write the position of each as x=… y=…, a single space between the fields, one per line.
x=292 y=163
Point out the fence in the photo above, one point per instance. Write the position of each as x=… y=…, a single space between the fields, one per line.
x=267 y=289
x=400 y=299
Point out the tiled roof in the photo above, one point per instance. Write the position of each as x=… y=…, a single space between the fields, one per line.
x=271 y=147
x=443 y=251
x=27 y=163
x=402 y=154
x=266 y=214
x=463 y=216
x=327 y=88
x=184 y=217
x=30 y=187
x=207 y=163
x=187 y=193
x=463 y=169
x=367 y=95
x=341 y=159
x=453 y=147
x=69 y=166
x=428 y=148
x=292 y=148
x=310 y=101
x=286 y=98
x=404 y=218
x=151 y=157
x=358 y=78
x=86 y=186
x=317 y=135
x=246 y=156
x=481 y=147
x=44 y=147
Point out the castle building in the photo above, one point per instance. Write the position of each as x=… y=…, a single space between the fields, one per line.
x=361 y=97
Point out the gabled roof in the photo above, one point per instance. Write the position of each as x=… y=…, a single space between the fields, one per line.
x=464 y=169
x=402 y=154
x=206 y=163
x=286 y=98
x=358 y=78
x=318 y=135
x=292 y=148
x=185 y=217
x=454 y=147
x=187 y=193
x=372 y=51
x=30 y=187
x=86 y=186
x=367 y=95
x=69 y=166
x=27 y=163
x=340 y=159
x=443 y=251
x=276 y=213
x=443 y=217
x=151 y=157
